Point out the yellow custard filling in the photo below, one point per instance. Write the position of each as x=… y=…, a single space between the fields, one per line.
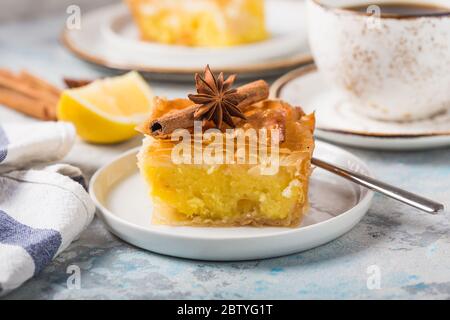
x=209 y=23
x=225 y=191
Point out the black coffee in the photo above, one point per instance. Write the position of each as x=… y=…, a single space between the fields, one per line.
x=403 y=9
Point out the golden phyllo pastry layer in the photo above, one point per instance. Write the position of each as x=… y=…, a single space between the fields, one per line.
x=239 y=193
x=208 y=23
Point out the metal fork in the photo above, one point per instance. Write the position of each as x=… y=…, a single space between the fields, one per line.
x=390 y=191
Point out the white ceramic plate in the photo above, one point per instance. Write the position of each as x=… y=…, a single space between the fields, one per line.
x=336 y=206
x=338 y=122
x=109 y=38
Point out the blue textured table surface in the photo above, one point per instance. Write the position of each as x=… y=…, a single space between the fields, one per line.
x=409 y=250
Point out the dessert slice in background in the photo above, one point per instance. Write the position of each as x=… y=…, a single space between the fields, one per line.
x=207 y=23
x=231 y=192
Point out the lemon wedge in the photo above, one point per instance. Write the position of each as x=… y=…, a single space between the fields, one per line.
x=107 y=110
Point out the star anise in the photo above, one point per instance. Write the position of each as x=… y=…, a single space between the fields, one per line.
x=218 y=101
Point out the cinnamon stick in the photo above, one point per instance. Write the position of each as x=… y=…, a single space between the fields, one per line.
x=28 y=94
x=183 y=119
x=76 y=83
x=19 y=85
x=40 y=83
x=27 y=105
x=255 y=91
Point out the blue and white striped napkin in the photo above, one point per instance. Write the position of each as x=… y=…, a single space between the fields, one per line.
x=43 y=206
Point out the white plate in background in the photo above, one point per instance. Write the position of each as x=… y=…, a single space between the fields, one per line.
x=337 y=121
x=285 y=21
x=336 y=206
x=109 y=37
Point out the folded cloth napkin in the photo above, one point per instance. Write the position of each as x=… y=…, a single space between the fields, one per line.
x=42 y=208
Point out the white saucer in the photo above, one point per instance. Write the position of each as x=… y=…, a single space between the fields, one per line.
x=336 y=206
x=338 y=122
x=109 y=37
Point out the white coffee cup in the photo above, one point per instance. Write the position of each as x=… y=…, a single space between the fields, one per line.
x=392 y=68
